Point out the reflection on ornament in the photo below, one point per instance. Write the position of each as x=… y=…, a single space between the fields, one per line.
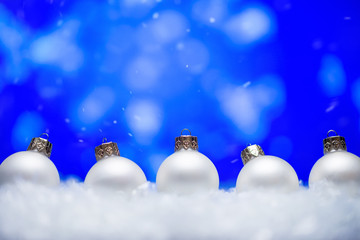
x=337 y=166
x=112 y=171
x=265 y=172
x=187 y=171
x=32 y=165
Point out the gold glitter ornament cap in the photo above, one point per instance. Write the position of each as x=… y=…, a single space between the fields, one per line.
x=334 y=143
x=41 y=145
x=251 y=152
x=106 y=149
x=186 y=141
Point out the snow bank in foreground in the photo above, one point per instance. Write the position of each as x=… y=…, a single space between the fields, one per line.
x=75 y=212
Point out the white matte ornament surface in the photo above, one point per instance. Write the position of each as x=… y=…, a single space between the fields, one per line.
x=185 y=172
x=338 y=167
x=267 y=172
x=29 y=166
x=117 y=173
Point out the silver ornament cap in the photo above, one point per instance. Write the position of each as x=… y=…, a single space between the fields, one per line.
x=41 y=145
x=251 y=152
x=106 y=149
x=186 y=141
x=334 y=143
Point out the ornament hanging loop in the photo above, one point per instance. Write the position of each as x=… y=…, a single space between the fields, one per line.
x=44 y=134
x=104 y=140
x=333 y=132
x=185 y=129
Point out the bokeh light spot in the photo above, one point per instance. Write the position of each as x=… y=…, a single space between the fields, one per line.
x=196 y=63
x=144 y=118
x=332 y=76
x=169 y=27
x=356 y=93
x=252 y=108
x=210 y=12
x=95 y=106
x=252 y=24
x=59 y=48
x=143 y=73
x=27 y=126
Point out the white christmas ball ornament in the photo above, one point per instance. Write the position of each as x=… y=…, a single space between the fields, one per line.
x=32 y=165
x=187 y=171
x=337 y=166
x=265 y=172
x=112 y=171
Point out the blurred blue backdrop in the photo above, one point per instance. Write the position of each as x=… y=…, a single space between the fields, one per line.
x=279 y=73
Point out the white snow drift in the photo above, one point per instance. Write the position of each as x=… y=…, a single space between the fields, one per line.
x=75 y=212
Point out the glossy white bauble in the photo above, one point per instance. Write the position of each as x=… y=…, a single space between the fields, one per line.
x=116 y=173
x=267 y=172
x=187 y=171
x=30 y=166
x=339 y=167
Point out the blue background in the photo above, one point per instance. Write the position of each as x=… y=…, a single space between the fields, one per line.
x=278 y=73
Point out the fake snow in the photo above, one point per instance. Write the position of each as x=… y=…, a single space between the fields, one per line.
x=73 y=211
